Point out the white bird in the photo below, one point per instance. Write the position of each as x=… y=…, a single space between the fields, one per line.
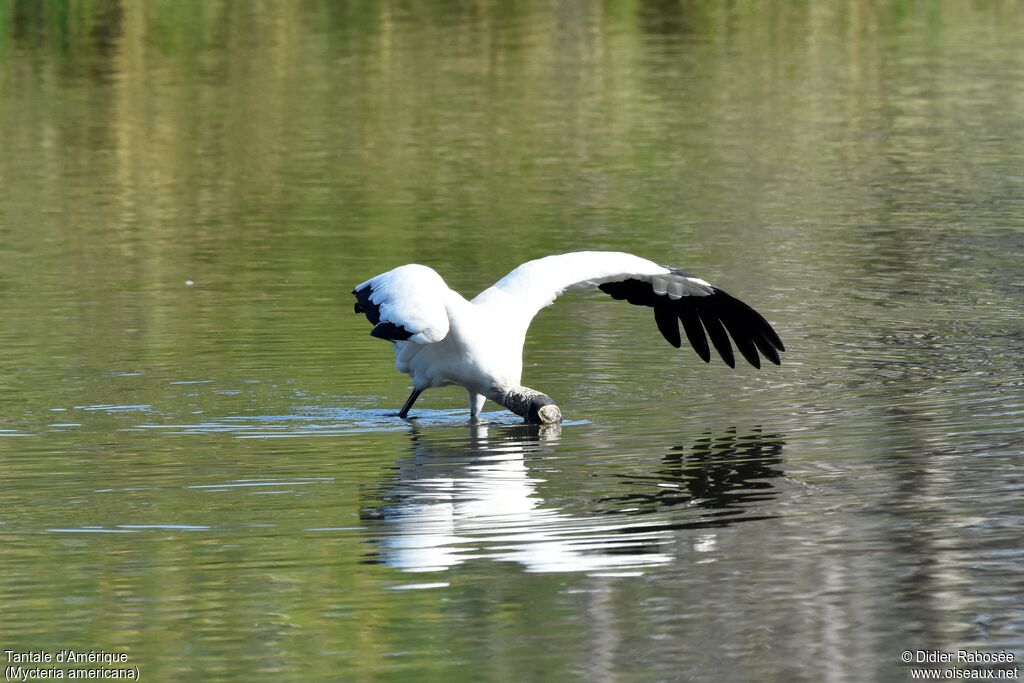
x=440 y=338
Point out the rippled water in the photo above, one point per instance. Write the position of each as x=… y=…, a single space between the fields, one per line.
x=202 y=467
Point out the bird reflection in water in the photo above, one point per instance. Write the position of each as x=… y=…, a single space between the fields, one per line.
x=457 y=499
x=724 y=476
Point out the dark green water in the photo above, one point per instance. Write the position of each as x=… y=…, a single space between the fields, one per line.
x=200 y=467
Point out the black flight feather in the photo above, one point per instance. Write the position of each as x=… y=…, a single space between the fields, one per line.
x=390 y=331
x=742 y=338
x=750 y=324
x=636 y=292
x=713 y=325
x=735 y=321
x=767 y=350
x=365 y=306
x=722 y=316
x=754 y=320
x=694 y=330
x=665 y=316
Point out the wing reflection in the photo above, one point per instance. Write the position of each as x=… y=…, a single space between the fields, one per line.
x=452 y=502
x=724 y=476
x=457 y=499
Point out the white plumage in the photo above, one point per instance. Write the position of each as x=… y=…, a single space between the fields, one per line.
x=412 y=297
x=440 y=338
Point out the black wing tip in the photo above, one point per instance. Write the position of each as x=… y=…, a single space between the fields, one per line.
x=750 y=325
x=720 y=315
x=390 y=331
x=751 y=317
x=365 y=306
x=726 y=318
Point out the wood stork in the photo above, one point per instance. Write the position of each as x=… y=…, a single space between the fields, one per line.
x=440 y=338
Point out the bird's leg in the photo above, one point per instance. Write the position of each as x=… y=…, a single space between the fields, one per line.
x=476 y=404
x=531 y=405
x=404 y=412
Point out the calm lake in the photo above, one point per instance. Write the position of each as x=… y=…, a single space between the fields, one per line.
x=201 y=466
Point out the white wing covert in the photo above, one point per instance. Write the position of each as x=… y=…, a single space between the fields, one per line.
x=405 y=304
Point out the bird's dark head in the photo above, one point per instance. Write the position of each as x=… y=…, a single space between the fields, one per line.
x=544 y=414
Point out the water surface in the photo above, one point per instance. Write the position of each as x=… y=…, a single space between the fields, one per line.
x=202 y=467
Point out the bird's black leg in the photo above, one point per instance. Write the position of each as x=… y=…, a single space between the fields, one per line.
x=404 y=412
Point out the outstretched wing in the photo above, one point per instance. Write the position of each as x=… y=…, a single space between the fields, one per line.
x=405 y=304
x=674 y=295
